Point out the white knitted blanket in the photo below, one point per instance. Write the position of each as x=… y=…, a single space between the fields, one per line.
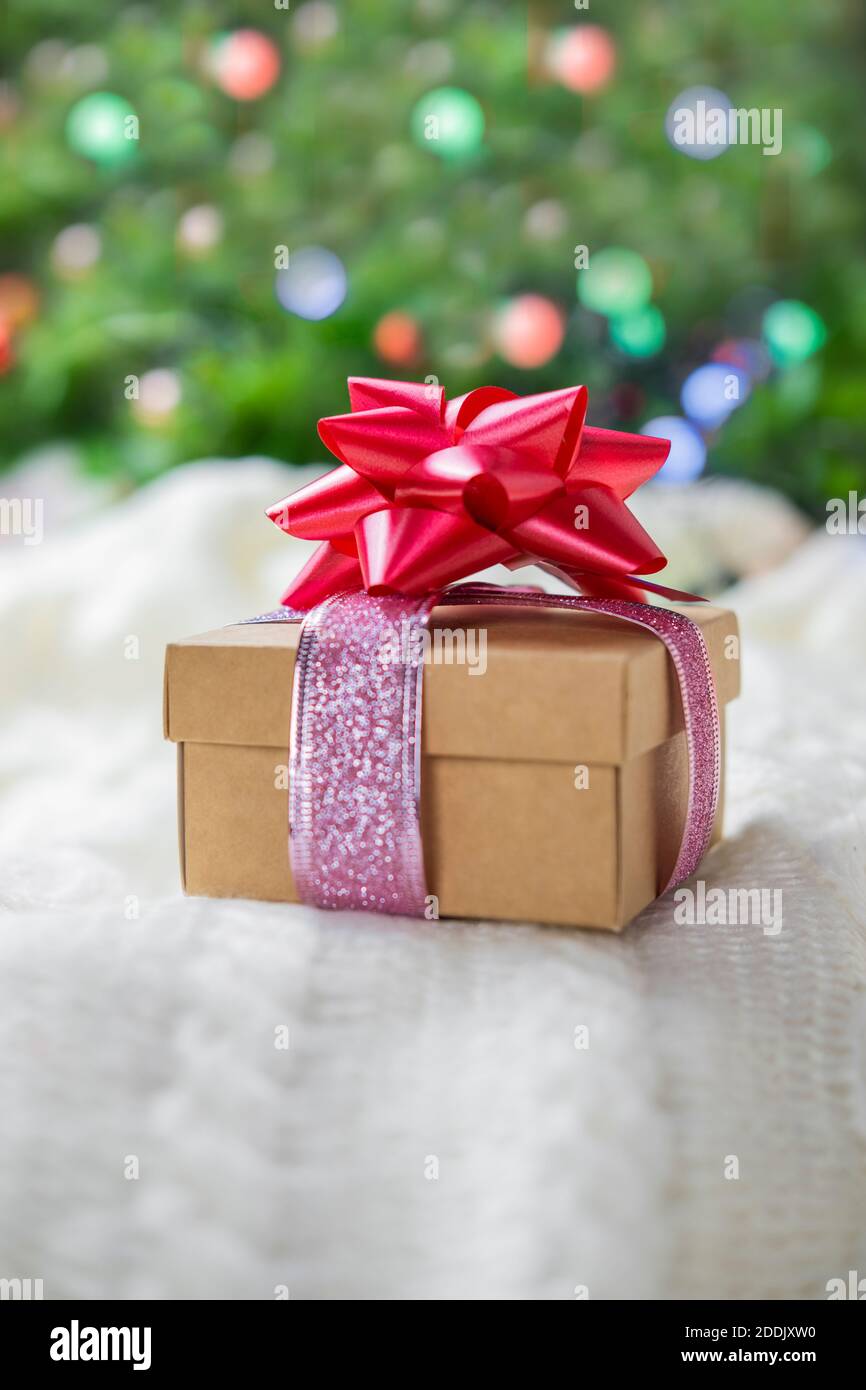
x=431 y=1131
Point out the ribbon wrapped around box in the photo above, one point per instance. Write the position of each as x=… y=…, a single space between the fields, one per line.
x=574 y=779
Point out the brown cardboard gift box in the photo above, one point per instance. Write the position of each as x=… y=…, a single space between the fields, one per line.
x=554 y=785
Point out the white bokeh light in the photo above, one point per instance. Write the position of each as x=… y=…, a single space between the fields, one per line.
x=689 y=111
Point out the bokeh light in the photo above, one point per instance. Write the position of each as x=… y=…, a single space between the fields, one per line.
x=793 y=331
x=44 y=62
x=448 y=121
x=76 y=250
x=200 y=229
x=688 y=454
x=616 y=282
x=807 y=149
x=798 y=388
x=314 y=284
x=529 y=330
x=159 y=395
x=252 y=155
x=245 y=64
x=19 y=300
x=712 y=391
x=85 y=65
x=431 y=60
x=583 y=59
x=546 y=220
x=527 y=243
x=699 y=102
x=641 y=334
x=99 y=127
x=7 y=355
x=748 y=355
x=397 y=338
x=315 y=24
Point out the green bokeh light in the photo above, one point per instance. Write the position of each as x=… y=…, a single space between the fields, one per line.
x=617 y=282
x=793 y=331
x=449 y=122
x=97 y=126
x=641 y=334
x=798 y=389
x=808 y=149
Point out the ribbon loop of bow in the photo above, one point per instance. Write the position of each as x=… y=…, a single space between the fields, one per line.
x=429 y=491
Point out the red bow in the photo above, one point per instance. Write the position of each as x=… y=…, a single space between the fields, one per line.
x=430 y=491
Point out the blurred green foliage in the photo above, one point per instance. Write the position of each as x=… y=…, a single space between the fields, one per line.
x=446 y=242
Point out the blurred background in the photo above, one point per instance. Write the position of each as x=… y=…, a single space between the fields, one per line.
x=212 y=213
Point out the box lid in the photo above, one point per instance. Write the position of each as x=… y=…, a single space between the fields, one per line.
x=563 y=686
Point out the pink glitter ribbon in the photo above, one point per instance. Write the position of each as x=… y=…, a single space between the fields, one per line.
x=355 y=760
x=355 y=755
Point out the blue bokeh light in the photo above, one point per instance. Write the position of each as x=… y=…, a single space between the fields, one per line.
x=314 y=284
x=688 y=454
x=711 y=392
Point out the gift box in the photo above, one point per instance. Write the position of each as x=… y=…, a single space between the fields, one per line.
x=554 y=768
x=392 y=739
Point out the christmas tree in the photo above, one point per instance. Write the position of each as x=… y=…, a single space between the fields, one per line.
x=212 y=214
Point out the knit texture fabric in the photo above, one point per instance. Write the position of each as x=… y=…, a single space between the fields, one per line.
x=435 y=1127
